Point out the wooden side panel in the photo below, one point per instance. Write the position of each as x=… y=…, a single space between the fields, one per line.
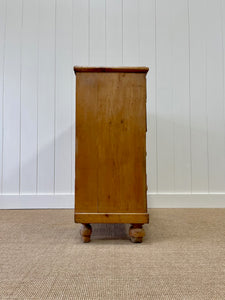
x=110 y=143
x=86 y=143
x=121 y=171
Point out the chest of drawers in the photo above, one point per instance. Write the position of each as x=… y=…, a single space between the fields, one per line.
x=110 y=164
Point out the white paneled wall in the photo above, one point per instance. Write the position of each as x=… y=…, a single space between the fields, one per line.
x=183 y=44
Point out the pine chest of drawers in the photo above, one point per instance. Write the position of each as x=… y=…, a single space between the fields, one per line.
x=110 y=164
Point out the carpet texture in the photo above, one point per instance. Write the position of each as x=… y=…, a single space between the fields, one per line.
x=182 y=257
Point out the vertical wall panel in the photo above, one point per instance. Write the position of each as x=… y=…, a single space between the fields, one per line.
x=29 y=96
x=114 y=32
x=215 y=109
x=11 y=98
x=181 y=95
x=198 y=108
x=97 y=33
x=63 y=100
x=81 y=51
x=131 y=53
x=81 y=32
x=46 y=96
x=165 y=96
x=147 y=58
x=222 y=20
x=2 y=68
x=81 y=57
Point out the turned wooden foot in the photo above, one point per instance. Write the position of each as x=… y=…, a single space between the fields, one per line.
x=85 y=233
x=136 y=233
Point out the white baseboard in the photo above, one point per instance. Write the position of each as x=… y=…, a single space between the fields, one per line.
x=36 y=201
x=172 y=200
x=167 y=200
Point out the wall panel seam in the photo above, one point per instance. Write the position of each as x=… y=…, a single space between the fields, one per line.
x=54 y=187
x=156 y=98
x=3 y=91
x=37 y=78
x=20 y=96
x=189 y=90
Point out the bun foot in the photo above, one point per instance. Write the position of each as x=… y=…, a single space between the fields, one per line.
x=85 y=233
x=136 y=233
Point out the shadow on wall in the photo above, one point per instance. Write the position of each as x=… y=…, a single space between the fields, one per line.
x=177 y=150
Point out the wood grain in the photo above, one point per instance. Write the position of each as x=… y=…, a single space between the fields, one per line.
x=121 y=142
x=86 y=179
x=110 y=146
x=139 y=218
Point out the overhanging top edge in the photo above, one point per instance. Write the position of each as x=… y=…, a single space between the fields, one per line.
x=111 y=69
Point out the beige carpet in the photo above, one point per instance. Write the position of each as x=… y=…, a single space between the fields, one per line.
x=182 y=257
